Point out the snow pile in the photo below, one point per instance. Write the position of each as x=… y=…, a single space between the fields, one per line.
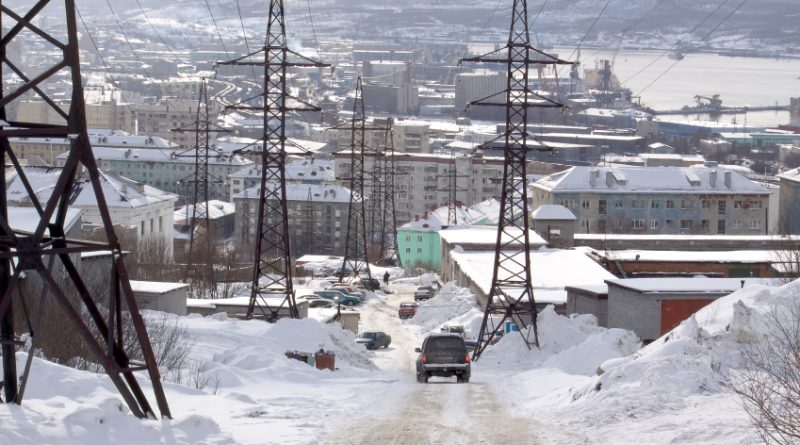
x=574 y=345
x=427 y=279
x=450 y=305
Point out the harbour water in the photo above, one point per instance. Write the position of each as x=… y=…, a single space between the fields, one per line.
x=740 y=81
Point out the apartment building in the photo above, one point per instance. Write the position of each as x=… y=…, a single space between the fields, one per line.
x=421 y=180
x=170 y=169
x=145 y=212
x=657 y=200
x=303 y=171
x=317 y=215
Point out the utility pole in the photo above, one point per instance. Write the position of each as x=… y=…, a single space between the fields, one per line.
x=272 y=273
x=199 y=180
x=355 y=261
x=511 y=297
x=23 y=252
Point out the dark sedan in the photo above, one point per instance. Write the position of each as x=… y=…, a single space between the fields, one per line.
x=374 y=339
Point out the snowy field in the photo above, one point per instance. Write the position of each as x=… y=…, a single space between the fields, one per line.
x=586 y=384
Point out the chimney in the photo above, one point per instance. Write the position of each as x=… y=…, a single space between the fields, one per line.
x=593 y=175
x=712 y=178
x=609 y=178
x=728 y=179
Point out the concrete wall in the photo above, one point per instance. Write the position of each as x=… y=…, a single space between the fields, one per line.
x=789 y=219
x=628 y=309
x=644 y=213
x=582 y=303
x=721 y=269
x=173 y=301
x=419 y=249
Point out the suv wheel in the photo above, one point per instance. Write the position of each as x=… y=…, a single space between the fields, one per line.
x=462 y=379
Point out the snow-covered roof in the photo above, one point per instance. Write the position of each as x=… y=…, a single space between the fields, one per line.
x=632 y=179
x=119 y=192
x=155 y=287
x=300 y=192
x=466 y=236
x=302 y=170
x=553 y=212
x=689 y=239
x=552 y=270
x=216 y=209
x=25 y=219
x=102 y=138
x=483 y=213
x=688 y=285
x=173 y=155
x=730 y=256
x=293 y=146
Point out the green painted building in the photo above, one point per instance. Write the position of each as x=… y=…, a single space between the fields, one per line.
x=419 y=241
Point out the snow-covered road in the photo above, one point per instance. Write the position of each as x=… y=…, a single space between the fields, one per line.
x=441 y=412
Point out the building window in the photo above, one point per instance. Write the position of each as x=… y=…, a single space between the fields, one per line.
x=721 y=207
x=141 y=226
x=586 y=204
x=637 y=224
x=618 y=204
x=408 y=250
x=601 y=206
x=686 y=204
x=637 y=204
x=419 y=238
x=568 y=203
x=152 y=225
x=161 y=224
x=737 y=204
x=408 y=238
x=721 y=226
x=653 y=223
x=419 y=250
x=705 y=224
x=620 y=224
x=687 y=224
x=655 y=204
x=755 y=224
x=737 y=225
x=668 y=223
x=706 y=204
x=670 y=204
x=756 y=204
x=601 y=225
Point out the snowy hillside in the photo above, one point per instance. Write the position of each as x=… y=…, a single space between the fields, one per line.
x=585 y=384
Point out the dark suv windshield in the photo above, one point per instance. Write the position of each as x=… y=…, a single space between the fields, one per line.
x=446 y=343
x=368 y=335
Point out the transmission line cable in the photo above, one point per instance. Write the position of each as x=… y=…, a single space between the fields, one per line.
x=155 y=30
x=127 y=40
x=677 y=42
x=705 y=37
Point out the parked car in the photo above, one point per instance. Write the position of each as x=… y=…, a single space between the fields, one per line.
x=340 y=296
x=423 y=293
x=407 y=310
x=321 y=303
x=443 y=355
x=453 y=329
x=371 y=283
x=374 y=339
x=349 y=289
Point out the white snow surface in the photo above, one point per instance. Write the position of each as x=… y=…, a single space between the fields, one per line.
x=584 y=384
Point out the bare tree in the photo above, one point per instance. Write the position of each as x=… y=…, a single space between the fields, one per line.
x=769 y=383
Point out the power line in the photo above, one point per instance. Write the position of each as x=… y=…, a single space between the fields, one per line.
x=629 y=28
x=246 y=42
x=708 y=34
x=313 y=29
x=219 y=34
x=539 y=13
x=678 y=42
x=594 y=22
x=105 y=66
x=155 y=30
x=125 y=36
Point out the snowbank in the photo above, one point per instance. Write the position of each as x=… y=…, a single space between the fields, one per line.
x=450 y=305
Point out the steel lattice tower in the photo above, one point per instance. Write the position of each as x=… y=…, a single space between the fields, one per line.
x=355 y=253
x=272 y=274
x=99 y=323
x=511 y=295
x=388 y=236
x=199 y=181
